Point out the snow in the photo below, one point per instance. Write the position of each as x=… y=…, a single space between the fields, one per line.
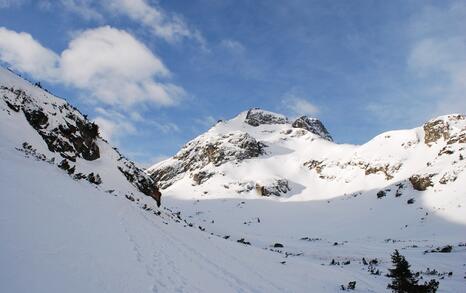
x=338 y=203
x=58 y=234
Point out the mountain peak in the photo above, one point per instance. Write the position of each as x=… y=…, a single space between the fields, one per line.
x=257 y=116
x=313 y=125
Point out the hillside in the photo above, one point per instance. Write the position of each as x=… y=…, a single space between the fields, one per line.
x=272 y=180
x=242 y=208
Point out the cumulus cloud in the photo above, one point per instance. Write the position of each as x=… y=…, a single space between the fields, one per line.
x=299 y=106
x=116 y=68
x=109 y=64
x=26 y=54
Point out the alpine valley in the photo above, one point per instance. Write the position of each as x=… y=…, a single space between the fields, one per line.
x=258 y=203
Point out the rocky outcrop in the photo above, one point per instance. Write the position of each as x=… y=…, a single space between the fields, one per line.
x=62 y=127
x=434 y=130
x=421 y=182
x=312 y=125
x=444 y=128
x=256 y=117
x=71 y=135
x=140 y=179
x=204 y=150
x=278 y=188
x=387 y=169
x=202 y=177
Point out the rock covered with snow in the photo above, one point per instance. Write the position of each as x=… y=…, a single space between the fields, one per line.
x=234 y=141
x=257 y=116
x=67 y=138
x=64 y=129
x=207 y=149
x=450 y=128
x=229 y=160
x=312 y=125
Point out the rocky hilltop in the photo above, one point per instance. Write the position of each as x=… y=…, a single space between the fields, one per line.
x=65 y=137
x=264 y=153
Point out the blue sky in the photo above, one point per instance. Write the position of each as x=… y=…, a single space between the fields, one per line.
x=155 y=74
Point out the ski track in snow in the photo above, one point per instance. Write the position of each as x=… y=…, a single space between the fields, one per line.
x=58 y=234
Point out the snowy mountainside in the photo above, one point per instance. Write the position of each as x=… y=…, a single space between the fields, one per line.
x=299 y=160
x=309 y=198
x=244 y=208
x=77 y=216
x=47 y=128
x=64 y=235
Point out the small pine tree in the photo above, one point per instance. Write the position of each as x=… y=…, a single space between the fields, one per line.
x=403 y=280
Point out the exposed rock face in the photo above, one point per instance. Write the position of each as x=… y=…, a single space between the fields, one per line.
x=420 y=182
x=221 y=159
x=69 y=133
x=256 y=117
x=278 y=188
x=434 y=130
x=140 y=179
x=444 y=128
x=202 y=177
x=196 y=154
x=389 y=170
x=312 y=125
x=234 y=146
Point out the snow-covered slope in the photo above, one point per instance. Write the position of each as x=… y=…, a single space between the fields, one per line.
x=76 y=216
x=276 y=180
x=65 y=230
x=62 y=235
x=298 y=161
x=49 y=129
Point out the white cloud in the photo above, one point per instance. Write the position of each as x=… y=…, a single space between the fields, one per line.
x=109 y=64
x=165 y=127
x=438 y=54
x=112 y=129
x=232 y=45
x=83 y=8
x=299 y=106
x=10 y=3
x=207 y=121
x=116 y=68
x=171 y=28
x=26 y=54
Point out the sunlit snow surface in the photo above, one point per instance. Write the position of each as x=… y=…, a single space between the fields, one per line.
x=62 y=235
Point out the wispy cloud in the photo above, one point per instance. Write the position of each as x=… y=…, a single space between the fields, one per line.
x=168 y=26
x=299 y=106
x=233 y=46
x=11 y=3
x=84 y=8
x=171 y=27
x=206 y=122
x=438 y=54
